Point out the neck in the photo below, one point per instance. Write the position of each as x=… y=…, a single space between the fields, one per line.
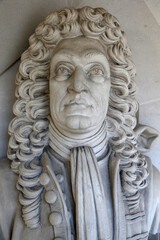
x=62 y=142
x=78 y=134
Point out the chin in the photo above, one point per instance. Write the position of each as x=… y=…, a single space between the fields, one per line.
x=79 y=123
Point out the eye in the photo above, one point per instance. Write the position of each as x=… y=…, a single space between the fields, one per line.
x=96 y=71
x=62 y=73
x=63 y=70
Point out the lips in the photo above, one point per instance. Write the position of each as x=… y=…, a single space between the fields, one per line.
x=77 y=104
x=77 y=107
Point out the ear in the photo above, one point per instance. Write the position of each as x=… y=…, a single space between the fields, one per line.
x=146 y=137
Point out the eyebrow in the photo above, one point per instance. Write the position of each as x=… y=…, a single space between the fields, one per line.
x=93 y=53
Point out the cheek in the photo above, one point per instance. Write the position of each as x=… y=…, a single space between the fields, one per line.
x=102 y=97
x=53 y=97
x=57 y=92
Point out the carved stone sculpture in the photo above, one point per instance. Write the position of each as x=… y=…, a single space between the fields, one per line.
x=75 y=144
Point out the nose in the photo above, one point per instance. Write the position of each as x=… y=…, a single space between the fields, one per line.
x=78 y=81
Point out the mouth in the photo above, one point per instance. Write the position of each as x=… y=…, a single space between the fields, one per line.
x=77 y=108
x=76 y=105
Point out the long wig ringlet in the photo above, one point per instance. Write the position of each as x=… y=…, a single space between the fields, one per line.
x=29 y=129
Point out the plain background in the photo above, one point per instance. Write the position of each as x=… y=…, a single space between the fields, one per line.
x=140 y=19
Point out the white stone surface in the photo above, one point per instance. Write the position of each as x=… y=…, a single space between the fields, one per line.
x=75 y=103
x=19 y=18
x=89 y=198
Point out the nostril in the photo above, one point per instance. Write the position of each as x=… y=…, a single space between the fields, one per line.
x=70 y=89
x=77 y=87
x=77 y=90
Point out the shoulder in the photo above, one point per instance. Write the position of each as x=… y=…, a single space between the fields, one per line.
x=152 y=199
x=4 y=164
x=154 y=180
x=154 y=173
x=7 y=181
x=6 y=175
x=156 y=177
x=8 y=198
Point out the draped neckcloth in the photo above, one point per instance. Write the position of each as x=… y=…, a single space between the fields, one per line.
x=92 y=221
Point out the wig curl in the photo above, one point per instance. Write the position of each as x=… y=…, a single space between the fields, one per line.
x=29 y=129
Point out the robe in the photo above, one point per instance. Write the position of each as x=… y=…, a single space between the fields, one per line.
x=13 y=228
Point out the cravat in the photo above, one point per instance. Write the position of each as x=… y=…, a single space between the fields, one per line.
x=92 y=222
x=91 y=213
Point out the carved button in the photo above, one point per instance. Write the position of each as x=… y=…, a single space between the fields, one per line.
x=44 y=179
x=50 y=197
x=55 y=218
x=60 y=178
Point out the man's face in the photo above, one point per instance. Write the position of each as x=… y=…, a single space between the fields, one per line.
x=79 y=84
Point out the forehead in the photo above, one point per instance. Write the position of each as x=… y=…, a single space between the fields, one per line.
x=80 y=42
x=79 y=46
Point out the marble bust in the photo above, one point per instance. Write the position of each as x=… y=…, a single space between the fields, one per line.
x=75 y=146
